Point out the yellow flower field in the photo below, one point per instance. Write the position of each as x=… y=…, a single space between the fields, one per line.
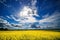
x=29 y=35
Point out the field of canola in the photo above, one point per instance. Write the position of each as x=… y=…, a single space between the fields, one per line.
x=30 y=35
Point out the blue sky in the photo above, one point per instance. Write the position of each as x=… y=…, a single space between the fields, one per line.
x=27 y=12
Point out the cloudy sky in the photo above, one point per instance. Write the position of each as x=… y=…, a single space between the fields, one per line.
x=18 y=14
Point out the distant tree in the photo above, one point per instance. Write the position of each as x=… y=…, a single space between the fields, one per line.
x=3 y=29
x=2 y=26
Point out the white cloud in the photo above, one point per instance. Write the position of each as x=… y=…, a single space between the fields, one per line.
x=46 y=15
x=2 y=1
x=27 y=11
x=48 y=22
x=51 y=21
x=13 y=17
x=27 y=15
x=16 y=0
x=33 y=3
x=8 y=17
x=28 y=20
x=51 y=18
x=3 y=21
x=6 y=24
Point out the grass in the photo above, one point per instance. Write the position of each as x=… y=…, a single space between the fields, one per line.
x=30 y=35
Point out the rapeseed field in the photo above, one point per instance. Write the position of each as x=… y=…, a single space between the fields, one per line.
x=30 y=35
